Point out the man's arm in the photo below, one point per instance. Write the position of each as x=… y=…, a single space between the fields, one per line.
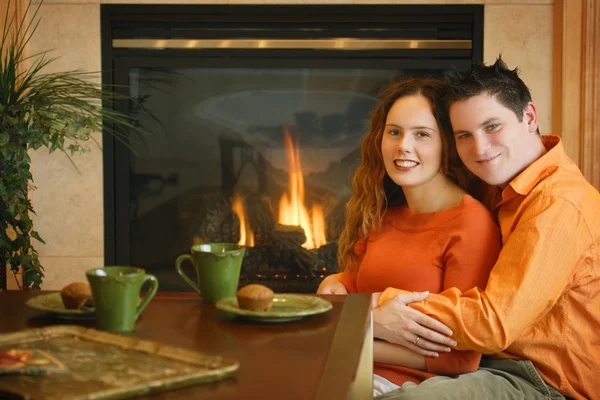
x=534 y=267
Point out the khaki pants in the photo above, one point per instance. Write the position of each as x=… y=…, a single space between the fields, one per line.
x=495 y=379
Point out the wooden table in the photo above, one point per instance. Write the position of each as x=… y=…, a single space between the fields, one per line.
x=327 y=356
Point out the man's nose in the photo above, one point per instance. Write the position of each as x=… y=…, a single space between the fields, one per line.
x=482 y=144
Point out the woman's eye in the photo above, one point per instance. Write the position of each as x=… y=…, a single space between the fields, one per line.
x=422 y=134
x=394 y=132
x=464 y=136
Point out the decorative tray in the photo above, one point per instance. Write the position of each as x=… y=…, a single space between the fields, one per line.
x=102 y=365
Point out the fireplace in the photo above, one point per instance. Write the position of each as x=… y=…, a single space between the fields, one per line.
x=257 y=114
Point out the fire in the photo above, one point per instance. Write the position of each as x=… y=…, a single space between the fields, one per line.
x=292 y=210
x=246 y=234
x=318 y=225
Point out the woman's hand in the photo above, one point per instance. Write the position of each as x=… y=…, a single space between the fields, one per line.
x=332 y=285
x=397 y=323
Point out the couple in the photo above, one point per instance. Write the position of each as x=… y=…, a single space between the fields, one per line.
x=533 y=306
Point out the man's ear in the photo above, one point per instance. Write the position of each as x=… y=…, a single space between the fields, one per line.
x=530 y=116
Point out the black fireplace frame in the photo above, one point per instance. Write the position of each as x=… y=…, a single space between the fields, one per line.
x=264 y=21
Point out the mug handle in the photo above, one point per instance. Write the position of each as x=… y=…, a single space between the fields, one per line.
x=178 y=263
x=149 y=294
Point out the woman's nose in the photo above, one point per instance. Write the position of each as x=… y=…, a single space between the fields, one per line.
x=405 y=145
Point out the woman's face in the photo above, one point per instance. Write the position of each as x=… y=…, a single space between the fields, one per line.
x=411 y=143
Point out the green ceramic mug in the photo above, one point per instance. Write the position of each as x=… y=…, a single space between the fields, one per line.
x=116 y=292
x=217 y=267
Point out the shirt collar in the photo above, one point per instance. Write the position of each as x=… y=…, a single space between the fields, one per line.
x=523 y=183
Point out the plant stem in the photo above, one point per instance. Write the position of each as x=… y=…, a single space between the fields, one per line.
x=2 y=268
x=3 y=280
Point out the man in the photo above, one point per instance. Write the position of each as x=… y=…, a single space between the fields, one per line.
x=539 y=315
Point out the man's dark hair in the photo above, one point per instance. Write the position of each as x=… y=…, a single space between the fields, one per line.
x=496 y=80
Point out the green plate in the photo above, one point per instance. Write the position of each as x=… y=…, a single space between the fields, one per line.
x=286 y=307
x=52 y=303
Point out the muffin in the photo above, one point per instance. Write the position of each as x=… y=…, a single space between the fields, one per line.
x=75 y=295
x=255 y=297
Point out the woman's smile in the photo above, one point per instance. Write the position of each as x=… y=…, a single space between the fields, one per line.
x=405 y=165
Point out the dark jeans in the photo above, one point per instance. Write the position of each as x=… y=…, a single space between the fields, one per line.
x=495 y=379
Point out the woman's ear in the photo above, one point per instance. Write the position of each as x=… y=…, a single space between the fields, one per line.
x=530 y=116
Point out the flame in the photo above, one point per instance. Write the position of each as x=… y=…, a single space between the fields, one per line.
x=318 y=225
x=292 y=210
x=245 y=230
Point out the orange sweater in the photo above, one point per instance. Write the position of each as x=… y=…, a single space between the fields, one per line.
x=456 y=247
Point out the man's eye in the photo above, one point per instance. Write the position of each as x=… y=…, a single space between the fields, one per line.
x=493 y=127
x=463 y=136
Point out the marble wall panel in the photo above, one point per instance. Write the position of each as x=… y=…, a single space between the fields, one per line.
x=523 y=35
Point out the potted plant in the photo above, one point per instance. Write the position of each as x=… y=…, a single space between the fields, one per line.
x=58 y=111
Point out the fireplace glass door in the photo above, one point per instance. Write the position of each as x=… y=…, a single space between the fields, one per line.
x=263 y=157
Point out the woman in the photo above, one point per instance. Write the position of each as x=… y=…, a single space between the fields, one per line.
x=410 y=223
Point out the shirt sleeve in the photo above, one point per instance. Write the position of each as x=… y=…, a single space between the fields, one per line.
x=534 y=268
x=470 y=257
x=348 y=278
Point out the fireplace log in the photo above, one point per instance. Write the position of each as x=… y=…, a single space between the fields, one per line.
x=305 y=260
x=327 y=259
x=286 y=249
x=261 y=217
x=215 y=222
x=292 y=233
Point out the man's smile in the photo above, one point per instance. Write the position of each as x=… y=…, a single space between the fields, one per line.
x=488 y=160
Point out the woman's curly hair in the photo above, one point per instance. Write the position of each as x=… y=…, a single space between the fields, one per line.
x=373 y=189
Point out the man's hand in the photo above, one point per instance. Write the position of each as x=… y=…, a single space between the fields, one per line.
x=332 y=285
x=399 y=324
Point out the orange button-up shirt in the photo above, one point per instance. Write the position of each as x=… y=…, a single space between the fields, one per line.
x=542 y=300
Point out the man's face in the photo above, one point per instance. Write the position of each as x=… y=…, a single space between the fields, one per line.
x=490 y=139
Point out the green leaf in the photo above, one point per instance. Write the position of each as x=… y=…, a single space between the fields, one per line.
x=33 y=278
x=58 y=111
x=35 y=235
